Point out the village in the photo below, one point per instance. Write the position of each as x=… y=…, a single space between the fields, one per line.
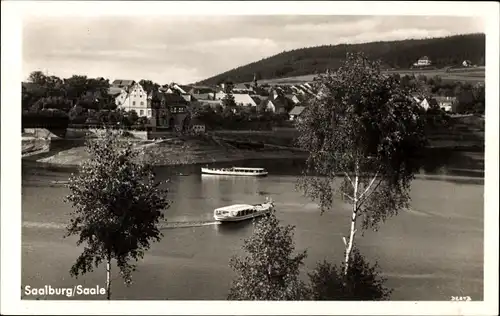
x=175 y=106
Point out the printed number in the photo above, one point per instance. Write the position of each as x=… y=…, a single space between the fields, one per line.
x=461 y=298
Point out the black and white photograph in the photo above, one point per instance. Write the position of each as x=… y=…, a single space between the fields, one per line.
x=222 y=157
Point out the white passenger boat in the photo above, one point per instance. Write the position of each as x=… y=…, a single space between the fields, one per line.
x=240 y=212
x=235 y=171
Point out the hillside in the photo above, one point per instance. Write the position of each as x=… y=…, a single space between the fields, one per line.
x=443 y=51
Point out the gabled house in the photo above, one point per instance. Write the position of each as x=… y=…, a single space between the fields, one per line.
x=168 y=110
x=276 y=106
x=202 y=92
x=134 y=98
x=422 y=102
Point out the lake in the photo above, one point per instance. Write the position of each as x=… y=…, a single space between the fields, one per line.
x=430 y=252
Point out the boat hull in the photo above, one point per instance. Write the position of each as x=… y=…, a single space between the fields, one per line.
x=233 y=173
x=227 y=219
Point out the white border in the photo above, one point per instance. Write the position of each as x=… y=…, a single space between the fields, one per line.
x=11 y=164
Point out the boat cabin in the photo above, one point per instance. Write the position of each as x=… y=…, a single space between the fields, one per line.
x=236 y=210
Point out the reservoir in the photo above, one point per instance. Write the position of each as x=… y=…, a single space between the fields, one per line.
x=431 y=252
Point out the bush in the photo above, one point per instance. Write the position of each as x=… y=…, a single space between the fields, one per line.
x=363 y=282
x=270 y=271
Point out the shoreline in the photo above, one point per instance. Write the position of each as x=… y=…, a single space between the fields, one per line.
x=48 y=158
x=240 y=156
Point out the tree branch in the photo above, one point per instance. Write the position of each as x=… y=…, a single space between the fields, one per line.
x=349 y=178
x=369 y=186
x=366 y=198
x=348 y=196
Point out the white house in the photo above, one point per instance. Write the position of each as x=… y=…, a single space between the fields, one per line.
x=274 y=105
x=423 y=61
x=134 y=99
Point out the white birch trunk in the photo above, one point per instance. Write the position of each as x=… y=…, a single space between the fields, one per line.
x=350 y=242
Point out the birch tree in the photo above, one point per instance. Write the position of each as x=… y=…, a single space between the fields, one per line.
x=270 y=270
x=364 y=134
x=117 y=208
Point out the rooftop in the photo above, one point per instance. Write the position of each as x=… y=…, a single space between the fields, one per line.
x=122 y=82
x=297 y=110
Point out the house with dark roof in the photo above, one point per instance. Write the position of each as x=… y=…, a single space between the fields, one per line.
x=242 y=88
x=296 y=112
x=168 y=110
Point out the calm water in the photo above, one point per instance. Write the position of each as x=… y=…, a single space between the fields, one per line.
x=431 y=252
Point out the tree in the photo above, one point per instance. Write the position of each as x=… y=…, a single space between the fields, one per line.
x=149 y=85
x=365 y=130
x=77 y=114
x=58 y=103
x=228 y=99
x=270 y=270
x=38 y=77
x=117 y=208
x=363 y=283
x=76 y=86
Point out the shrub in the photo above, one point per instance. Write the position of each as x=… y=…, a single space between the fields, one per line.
x=362 y=283
x=270 y=271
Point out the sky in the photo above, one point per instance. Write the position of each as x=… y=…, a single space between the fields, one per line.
x=186 y=49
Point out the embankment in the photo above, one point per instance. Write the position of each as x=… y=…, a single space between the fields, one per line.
x=463 y=133
x=173 y=151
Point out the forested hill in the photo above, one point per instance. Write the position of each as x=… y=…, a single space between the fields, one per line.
x=443 y=51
